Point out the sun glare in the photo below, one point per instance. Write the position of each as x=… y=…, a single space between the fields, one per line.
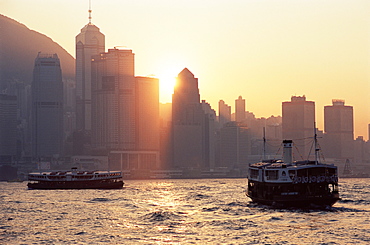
x=167 y=82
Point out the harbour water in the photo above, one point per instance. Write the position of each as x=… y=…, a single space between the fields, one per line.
x=196 y=211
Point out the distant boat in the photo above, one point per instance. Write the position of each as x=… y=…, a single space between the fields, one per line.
x=15 y=180
x=74 y=179
x=293 y=184
x=348 y=172
x=347 y=169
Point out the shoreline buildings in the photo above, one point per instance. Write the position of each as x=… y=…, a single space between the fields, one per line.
x=8 y=128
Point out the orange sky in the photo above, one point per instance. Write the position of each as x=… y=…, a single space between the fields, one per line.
x=263 y=50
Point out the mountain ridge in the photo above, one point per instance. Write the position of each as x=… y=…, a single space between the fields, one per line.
x=19 y=47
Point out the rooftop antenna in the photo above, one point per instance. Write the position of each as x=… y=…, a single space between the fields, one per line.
x=90 y=11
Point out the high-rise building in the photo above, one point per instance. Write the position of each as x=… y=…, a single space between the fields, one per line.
x=8 y=127
x=125 y=113
x=234 y=145
x=147 y=113
x=298 y=122
x=47 y=107
x=209 y=136
x=89 y=42
x=240 y=109
x=224 y=113
x=113 y=101
x=338 y=126
x=188 y=123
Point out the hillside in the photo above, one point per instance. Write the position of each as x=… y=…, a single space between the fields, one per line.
x=19 y=47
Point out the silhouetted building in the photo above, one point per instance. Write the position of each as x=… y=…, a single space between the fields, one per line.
x=47 y=107
x=8 y=127
x=209 y=135
x=240 y=109
x=224 y=113
x=338 y=126
x=89 y=42
x=234 y=145
x=147 y=113
x=188 y=121
x=166 y=149
x=298 y=125
x=113 y=101
x=125 y=122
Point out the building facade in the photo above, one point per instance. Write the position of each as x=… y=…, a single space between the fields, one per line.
x=224 y=113
x=234 y=145
x=210 y=127
x=8 y=127
x=338 y=127
x=298 y=122
x=89 y=42
x=187 y=123
x=147 y=113
x=240 y=109
x=113 y=101
x=47 y=107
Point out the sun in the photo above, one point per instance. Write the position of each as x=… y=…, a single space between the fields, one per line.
x=167 y=82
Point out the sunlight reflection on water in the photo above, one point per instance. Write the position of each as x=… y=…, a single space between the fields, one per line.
x=177 y=211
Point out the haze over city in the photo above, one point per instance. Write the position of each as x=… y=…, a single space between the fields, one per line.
x=265 y=51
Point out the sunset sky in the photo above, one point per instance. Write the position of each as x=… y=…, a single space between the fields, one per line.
x=263 y=50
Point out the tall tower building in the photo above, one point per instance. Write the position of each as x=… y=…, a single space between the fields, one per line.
x=147 y=113
x=89 y=42
x=338 y=126
x=8 y=127
x=224 y=113
x=47 y=106
x=188 y=123
x=234 y=145
x=209 y=136
x=240 y=109
x=113 y=101
x=298 y=122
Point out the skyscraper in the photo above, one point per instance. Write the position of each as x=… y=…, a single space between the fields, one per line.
x=113 y=101
x=8 y=127
x=240 y=109
x=147 y=113
x=89 y=42
x=188 y=123
x=47 y=106
x=338 y=126
x=298 y=122
x=234 y=145
x=224 y=113
x=209 y=136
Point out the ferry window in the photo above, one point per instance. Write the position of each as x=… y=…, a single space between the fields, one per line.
x=272 y=174
x=291 y=174
x=253 y=173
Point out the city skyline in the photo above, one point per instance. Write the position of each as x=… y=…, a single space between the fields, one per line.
x=264 y=51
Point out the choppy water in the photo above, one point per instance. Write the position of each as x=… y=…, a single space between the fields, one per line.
x=212 y=211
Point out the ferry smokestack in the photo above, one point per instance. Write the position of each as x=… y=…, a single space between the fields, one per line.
x=287 y=151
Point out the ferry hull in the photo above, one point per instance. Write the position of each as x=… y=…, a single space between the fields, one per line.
x=76 y=185
x=298 y=201
x=292 y=195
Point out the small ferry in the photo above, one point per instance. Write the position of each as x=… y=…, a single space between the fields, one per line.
x=74 y=179
x=287 y=183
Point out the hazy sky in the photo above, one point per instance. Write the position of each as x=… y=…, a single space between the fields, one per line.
x=263 y=50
